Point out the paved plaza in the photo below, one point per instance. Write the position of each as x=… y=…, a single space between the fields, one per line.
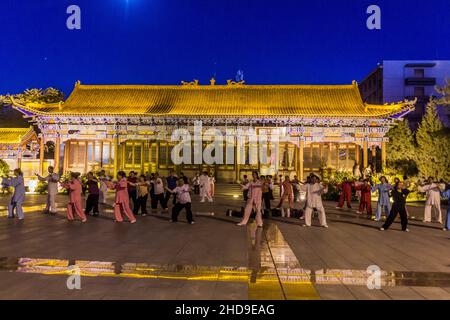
x=215 y=259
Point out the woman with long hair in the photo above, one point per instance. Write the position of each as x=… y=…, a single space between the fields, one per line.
x=19 y=194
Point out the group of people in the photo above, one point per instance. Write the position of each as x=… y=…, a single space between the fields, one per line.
x=398 y=192
x=133 y=191
x=258 y=193
x=260 y=189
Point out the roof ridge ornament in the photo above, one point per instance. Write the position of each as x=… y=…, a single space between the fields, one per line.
x=193 y=83
x=77 y=83
x=234 y=83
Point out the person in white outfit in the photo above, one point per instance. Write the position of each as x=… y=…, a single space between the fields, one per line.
x=433 y=194
x=205 y=187
x=52 y=180
x=103 y=186
x=314 y=191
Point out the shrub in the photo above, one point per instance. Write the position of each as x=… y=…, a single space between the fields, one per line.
x=41 y=187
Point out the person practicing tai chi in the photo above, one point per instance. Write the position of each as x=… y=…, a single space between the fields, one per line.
x=346 y=194
x=384 y=202
x=132 y=190
x=288 y=193
x=254 y=199
x=212 y=182
x=103 y=186
x=75 y=188
x=266 y=193
x=285 y=208
x=158 y=189
x=433 y=194
x=205 y=187
x=93 y=196
x=244 y=186
x=171 y=185
x=183 y=200
x=357 y=184
x=122 y=200
x=18 y=197
x=142 y=195
x=52 y=180
x=196 y=183
x=399 y=194
x=314 y=191
x=365 y=202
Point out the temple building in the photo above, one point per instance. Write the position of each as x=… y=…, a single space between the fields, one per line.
x=128 y=127
x=19 y=148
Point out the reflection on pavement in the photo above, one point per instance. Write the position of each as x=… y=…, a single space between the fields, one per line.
x=26 y=209
x=273 y=271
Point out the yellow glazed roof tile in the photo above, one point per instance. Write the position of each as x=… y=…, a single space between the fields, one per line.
x=218 y=100
x=13 y=135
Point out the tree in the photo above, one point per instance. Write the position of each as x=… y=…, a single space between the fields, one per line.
x=49 y=95
x=4 y=172
x=433 y=141
x=445 y=96
x=4 y=168
x=401 y=149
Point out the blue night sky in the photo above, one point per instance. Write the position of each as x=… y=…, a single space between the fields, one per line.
x=166 y=41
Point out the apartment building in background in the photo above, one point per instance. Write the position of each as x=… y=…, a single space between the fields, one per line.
x=394 y=81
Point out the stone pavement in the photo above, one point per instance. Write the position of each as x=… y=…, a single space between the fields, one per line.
x=214 y=259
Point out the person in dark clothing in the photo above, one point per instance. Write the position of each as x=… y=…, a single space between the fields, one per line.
x=266 y=193
x=196 y=183
x=151 y=180
x=399 y=195
x=271 y=188
x=171 y=185
x=182 y=192
x=94 y=194
x=158 y=189
x=132 y=190
x=142 y=196
x=244 y=186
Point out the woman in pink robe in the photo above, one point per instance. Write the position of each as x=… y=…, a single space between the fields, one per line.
x=255 y=200
x=74 y=187
x=122 y=202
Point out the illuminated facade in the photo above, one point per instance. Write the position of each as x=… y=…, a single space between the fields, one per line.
x=129 y=126
x=19 y=148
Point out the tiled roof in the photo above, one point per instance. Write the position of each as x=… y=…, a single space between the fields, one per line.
x=13 y=135
x=217 y=101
